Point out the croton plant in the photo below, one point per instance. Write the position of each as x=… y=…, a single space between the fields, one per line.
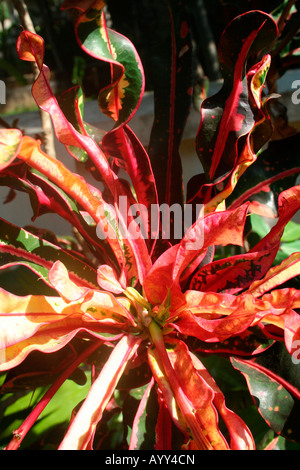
x=154 y=340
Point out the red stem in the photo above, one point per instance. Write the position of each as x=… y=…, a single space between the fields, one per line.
x=22 y=431
x=182 y=400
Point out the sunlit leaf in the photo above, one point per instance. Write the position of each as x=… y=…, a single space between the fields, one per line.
x=10 y=141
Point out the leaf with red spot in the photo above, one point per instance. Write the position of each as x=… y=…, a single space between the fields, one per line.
x=231 y=274
x=273 y=382
x=250 y=342
x=239 y=271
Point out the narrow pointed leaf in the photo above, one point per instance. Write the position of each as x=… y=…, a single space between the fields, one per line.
x=84 y=424
x=141 y=434
x=278 y=275
x=240 y=435
x=197 y=394
x=47 y=197
x=274 y=170
x=103 y=214
x=214 y=317
x=71 y=103
x=47 y=324
x=129 y=153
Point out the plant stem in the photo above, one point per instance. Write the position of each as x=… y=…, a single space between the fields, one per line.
x=285 y=14
x=22 y=431
x=182 y=400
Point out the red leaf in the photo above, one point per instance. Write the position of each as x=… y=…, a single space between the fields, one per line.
x=219 y=228
x=214 y=317
x=124 y=146
x=240 y=435
x=83 y=426
x=31 y=48
x=163 y=429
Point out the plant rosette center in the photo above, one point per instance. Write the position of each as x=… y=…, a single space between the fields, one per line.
x=144 y=312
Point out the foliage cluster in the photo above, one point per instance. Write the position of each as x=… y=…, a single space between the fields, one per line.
x=120 y=337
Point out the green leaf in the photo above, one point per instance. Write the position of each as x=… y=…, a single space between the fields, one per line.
x=120 y=96
x=71 y=103
x=291 y=232
x=286 y=250
x=274 y=387
x=18 y=246
x=259 y=225
x=140 y=414
x=14 y=407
